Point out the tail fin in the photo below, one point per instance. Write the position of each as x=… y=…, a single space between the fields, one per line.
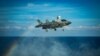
x=39 y=21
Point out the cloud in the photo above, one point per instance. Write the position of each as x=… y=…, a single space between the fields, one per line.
x=32 y=5
x=33 y=8
x=82 y=27
x=28 y=31
x=10 y=28
x=31 y=23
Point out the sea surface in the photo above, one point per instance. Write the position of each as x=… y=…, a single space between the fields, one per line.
x=49 y=46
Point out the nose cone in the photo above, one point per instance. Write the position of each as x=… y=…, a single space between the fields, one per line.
x=68 y=23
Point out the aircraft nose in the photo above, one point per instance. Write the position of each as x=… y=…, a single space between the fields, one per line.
x=68 y=23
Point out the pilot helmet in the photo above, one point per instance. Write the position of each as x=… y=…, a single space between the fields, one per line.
x=58 y=17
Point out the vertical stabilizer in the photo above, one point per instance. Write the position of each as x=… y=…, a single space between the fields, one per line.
x=39 y=21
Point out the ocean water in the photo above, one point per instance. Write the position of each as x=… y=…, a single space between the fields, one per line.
x=49 y=46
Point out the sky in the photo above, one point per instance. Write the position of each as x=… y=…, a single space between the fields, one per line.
x=18 y=17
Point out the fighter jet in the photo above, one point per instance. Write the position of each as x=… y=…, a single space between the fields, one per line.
x=54 y=24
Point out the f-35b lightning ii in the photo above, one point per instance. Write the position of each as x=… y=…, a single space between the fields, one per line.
x=58 y=23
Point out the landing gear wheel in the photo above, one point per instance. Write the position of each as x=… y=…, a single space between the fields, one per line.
x=62 y=29
x=46 y=30
x=55 y=29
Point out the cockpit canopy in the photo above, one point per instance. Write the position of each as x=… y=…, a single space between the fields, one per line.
x=63 y=20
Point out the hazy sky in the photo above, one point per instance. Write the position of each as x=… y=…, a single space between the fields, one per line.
x=18 y=17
